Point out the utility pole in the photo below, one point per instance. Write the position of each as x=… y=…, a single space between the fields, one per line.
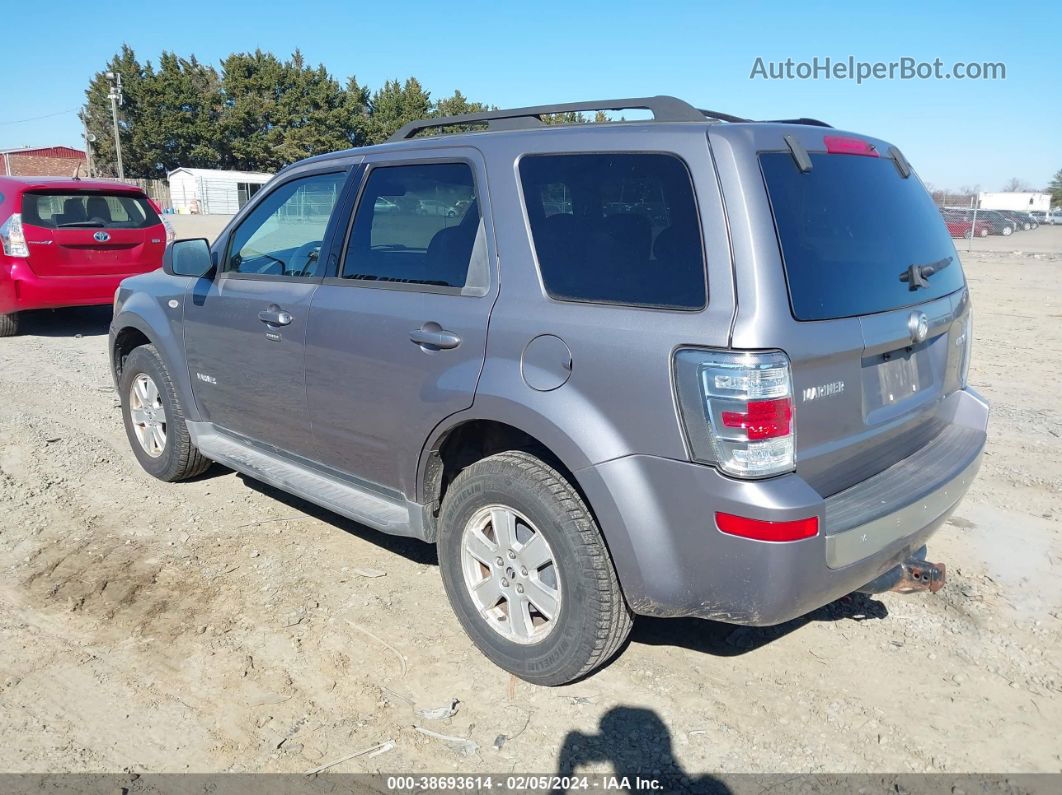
x=89 y=139
x=115 y=96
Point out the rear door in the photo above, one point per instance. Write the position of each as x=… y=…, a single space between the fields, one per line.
x=869 y=300
x=397 y=333
x=245 y=329
x=91 y=233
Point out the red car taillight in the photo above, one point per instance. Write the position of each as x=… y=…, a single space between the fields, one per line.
x=738 y=410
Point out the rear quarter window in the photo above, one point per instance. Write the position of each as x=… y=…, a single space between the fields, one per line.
x=615 y=228
x=849 y=228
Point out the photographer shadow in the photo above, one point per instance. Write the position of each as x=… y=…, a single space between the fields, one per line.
x=637 y=743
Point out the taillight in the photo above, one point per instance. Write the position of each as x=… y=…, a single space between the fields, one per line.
x=738 y=410
x=12 y=237
x=761 y=530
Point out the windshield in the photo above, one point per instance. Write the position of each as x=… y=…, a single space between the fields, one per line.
x=92 y=210
x=850 y=231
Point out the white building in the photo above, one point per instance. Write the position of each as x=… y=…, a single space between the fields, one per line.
x=1023 y=202
x=211 y=191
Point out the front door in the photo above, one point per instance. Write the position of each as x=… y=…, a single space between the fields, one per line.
x=397 y=336
x=245 y=329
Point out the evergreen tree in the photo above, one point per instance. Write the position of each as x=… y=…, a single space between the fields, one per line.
x=177 y=118
x=394 y=105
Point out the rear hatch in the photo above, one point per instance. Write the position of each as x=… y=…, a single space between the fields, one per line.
x=878 y=305
x=91 y=233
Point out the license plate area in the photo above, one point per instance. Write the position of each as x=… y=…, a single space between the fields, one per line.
x=896 y=380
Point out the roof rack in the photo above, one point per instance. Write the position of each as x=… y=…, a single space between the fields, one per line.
x=663 y=108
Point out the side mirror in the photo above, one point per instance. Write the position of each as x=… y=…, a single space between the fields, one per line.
x=188 y=258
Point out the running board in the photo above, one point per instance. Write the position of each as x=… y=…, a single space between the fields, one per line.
x=389 y=515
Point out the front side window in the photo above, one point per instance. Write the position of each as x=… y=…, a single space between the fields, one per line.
x=615 y=228
x=283 y=235
x=88 y=210
x=415 y=224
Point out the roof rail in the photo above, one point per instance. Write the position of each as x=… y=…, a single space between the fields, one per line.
x=802 y=120
x=663 y=108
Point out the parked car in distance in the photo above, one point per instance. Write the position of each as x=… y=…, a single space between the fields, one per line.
x=958 y=227
x=70 y=242
x=1055 y=217
x=1039 y=216
x=671 y=409
x=1022 y=223
x=998 y=223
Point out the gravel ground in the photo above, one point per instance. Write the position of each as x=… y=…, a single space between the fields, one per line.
x=219 y=625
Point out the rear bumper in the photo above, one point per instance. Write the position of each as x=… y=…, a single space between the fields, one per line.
x=21 y=288
x=658 y=516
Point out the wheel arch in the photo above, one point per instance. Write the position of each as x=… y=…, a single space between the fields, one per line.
x=133 y=328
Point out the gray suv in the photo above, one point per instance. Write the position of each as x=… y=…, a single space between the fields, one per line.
x=689 y=366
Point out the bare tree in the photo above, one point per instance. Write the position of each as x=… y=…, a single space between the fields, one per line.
x=1015 y=185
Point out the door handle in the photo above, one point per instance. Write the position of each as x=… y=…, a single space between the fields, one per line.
x=275 y=316
x=433 y=337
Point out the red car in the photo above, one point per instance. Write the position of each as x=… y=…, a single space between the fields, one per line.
x=69 y=242
x=959 y=228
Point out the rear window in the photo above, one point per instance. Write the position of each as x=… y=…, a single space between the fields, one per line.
x=95 y=210
x=615 y=228
x=849 y=228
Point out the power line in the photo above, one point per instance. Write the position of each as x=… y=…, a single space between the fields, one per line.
x=37 y=118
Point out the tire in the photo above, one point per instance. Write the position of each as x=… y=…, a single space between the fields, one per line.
x=968 y=234
x=984 y=233
x=175 y=458
x=8 y=325
x=591 y=620
x=1007 y=231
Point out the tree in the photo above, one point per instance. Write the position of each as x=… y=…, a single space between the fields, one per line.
x=178 y=116
x=1055 y=189
x=1015 y=185
x=394 y=105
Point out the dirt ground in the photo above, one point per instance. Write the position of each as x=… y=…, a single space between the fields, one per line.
x=219 y=625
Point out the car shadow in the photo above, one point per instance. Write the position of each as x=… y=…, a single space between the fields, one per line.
x=638 y=745
x=84 y=321
x=731 y=640
x=696 y=634
x=409 y=548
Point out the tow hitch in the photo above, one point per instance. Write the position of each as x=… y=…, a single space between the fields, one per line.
x=914 y=574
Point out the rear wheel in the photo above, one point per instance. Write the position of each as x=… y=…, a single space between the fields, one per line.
x=527 y=572
x=968 y=234
x=8 y=325
x=983 y=233
x=1007 y=230
x=154 y=419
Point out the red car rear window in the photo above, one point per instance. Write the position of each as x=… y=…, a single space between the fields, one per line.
x=88 y=210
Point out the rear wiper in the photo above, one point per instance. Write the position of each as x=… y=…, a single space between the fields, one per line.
x=83 y=223
x=916 y=275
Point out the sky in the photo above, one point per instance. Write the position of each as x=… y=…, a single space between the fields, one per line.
x=955 y=132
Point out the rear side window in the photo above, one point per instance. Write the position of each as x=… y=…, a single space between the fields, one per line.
x=849 y=228
x=88 y=210
x=415 y=224
x=615 y=228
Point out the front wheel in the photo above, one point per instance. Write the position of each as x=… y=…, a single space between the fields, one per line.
x=983 y=233
x=8 y=325
x=154 y=419
x=1007 y=230
x=527 y=571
